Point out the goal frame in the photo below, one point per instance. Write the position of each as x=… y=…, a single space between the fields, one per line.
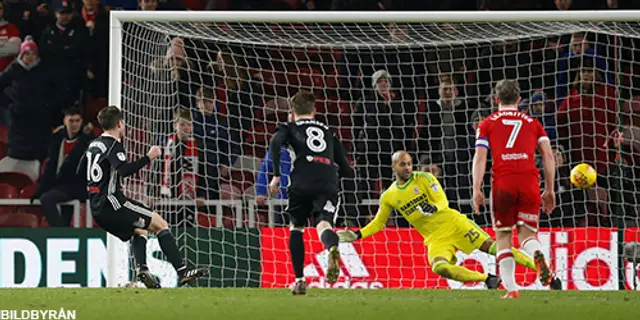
x=116 y=249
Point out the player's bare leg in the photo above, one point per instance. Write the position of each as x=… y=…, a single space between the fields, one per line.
x=507 y=263
x=296 y=247
x=330 y=240
x=530 y=244
x=444 y=268
x=139 y=249
x=169 y=247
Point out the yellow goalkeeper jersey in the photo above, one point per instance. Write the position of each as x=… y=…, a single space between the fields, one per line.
x=407 y=199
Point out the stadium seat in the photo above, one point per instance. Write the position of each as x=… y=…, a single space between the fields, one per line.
x=19 y=220
x=43 y=223
x=35 y=210
x=28 y=191
x=4 y=149
x=7 y=191
x=4 y=134
x=16 y=179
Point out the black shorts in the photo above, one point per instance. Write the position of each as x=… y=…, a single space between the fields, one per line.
x=123 y=222
x=320 y=207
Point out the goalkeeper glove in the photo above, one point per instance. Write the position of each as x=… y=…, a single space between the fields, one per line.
x=427 y=209
x=348 y=235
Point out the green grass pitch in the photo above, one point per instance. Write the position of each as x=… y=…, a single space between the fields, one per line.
x=254 y=304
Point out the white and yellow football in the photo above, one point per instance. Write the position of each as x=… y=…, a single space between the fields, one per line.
x=583 y=176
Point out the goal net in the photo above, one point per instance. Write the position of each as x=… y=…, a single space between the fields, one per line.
x=210 y=88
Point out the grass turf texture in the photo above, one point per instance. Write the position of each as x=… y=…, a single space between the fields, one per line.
x=201 y=303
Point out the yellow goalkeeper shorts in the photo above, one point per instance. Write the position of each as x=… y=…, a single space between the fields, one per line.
x=462 y=234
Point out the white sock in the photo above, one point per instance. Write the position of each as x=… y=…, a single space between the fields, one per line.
x=531 y=245
x=507 y=269
x=300 y=279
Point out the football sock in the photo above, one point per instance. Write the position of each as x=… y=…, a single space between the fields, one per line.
x=329 y=238
x=170 y=249
x=531 y=245
x=520 y=258
x=139 y=248
x=457 y=273
x=507 y=269
x=296 y=247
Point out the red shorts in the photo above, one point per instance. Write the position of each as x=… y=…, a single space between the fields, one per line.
x=515 y=201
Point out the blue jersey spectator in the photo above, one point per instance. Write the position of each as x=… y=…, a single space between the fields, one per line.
x=266 y=173
x=569 y=63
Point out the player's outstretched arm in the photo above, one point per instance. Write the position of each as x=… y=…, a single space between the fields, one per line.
x=478 y=170
x=549 y=168
x=370 y=229
x=125 y=169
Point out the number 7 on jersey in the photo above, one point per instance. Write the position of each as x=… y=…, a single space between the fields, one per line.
x=517 y=125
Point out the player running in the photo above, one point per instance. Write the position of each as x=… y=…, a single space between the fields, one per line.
x=419 y=197
x=313 y=188
x=124 y=218
x=515 y=193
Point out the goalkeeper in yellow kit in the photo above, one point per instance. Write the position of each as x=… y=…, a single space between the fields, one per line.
x=419 y=197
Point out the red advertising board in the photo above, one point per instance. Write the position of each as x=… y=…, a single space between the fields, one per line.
x=584 y=258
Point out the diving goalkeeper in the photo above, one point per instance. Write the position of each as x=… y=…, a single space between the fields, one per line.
x=419 y=197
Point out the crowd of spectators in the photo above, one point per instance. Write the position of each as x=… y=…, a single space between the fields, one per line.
x=215 y=130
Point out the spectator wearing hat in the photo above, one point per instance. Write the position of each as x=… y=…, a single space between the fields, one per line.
x=32 y=93
x=538 y=107
x=96 y=19
x=382 y=122
x=65 y=44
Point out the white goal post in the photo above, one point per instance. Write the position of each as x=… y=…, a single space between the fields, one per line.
x=149 y=105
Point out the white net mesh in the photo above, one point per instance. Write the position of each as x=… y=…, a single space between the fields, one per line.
x=235 y=78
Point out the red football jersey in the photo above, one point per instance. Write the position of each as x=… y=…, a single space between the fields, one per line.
x=513 y=138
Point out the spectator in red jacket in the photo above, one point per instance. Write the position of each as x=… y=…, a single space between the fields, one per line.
x=587 y=117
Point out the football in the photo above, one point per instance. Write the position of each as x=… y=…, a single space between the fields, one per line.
x=583 y=176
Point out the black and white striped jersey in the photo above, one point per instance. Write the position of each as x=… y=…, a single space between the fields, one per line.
x=106 y=166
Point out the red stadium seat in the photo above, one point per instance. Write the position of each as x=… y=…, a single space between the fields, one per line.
x=19 y=220
x=7 y=191
x=4 y=134
x=16 y=179
x=4 y=149
x=28 y=191
x=34 y=210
